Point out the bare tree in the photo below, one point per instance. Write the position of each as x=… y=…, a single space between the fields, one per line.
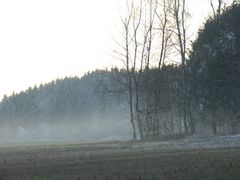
x=147 y=35
x=137 y=20
x=126 y=23
x=180 y=17
x=139 y=27
x=163 y=24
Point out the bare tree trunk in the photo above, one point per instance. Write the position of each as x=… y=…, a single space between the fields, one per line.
x=131 y=108
x=165 y=36
x=179 y=17
x=138 y=113
x=130 y=90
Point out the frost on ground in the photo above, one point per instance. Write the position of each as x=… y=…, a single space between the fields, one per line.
x=104 y=147
x=192 y=143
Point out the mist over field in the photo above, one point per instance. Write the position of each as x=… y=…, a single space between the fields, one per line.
x=67 y=109
x=92 y=131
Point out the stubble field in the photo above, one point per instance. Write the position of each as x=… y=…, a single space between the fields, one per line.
x=119 y=161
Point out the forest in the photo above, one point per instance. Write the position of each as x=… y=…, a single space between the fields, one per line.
x=154 y=95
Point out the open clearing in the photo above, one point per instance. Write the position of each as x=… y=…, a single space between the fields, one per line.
x=208 y=159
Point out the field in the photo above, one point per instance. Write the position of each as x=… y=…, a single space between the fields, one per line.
x=122 y=161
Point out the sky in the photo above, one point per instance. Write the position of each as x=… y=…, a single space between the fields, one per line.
x=42 y=40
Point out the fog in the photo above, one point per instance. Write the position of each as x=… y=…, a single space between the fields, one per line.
x=94 y=130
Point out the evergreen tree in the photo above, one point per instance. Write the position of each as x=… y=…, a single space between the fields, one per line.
x=215 y=68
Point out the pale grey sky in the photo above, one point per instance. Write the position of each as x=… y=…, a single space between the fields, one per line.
x=48 y=39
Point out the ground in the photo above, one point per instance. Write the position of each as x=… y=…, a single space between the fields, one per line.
x=213 y=158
